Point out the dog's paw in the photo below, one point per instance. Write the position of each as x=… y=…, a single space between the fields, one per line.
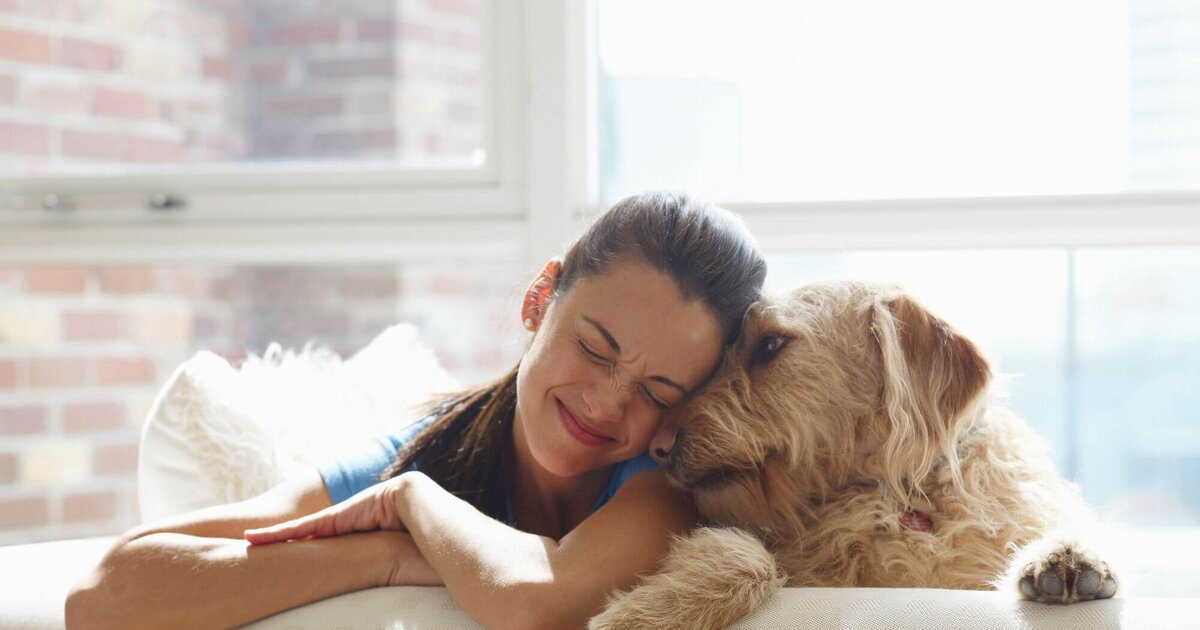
x=1067 y=575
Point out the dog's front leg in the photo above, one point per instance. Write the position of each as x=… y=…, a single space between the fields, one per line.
x=708 y=580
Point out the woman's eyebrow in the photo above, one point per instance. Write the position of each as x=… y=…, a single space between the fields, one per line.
x=612 y=341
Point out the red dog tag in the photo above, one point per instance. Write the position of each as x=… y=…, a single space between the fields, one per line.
x=916 y=520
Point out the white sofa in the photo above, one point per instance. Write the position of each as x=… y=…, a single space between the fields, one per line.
x=216 y=434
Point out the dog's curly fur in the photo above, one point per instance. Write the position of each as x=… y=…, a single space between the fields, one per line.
x=841 y=406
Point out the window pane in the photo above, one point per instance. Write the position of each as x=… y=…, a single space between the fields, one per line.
x=84 y=350
x=768 y=100
x=1103 y=349
x=123 y=86
x=1138 y=383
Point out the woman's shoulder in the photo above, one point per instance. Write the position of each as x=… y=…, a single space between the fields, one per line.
x=622 y=471
x=405 y=435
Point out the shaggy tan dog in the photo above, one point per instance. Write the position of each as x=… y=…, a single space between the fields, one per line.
x=852 y=434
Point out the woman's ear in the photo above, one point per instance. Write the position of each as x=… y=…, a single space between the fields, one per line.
x=537 y=298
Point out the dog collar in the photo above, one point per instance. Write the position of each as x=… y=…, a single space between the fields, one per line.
x=916 y=520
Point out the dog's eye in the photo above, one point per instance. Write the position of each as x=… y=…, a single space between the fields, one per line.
x=768 y=347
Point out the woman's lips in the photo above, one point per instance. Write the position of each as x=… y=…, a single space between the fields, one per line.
x=576 y=430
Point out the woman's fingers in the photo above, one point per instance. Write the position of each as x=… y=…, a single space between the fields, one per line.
x=290 y=530
x=368 y=510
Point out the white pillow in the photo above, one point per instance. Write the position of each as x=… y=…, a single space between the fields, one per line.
x=216 y=435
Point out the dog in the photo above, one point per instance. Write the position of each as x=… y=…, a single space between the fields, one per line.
x=852 y=438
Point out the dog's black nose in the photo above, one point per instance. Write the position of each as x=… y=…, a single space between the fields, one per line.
x=663 y=443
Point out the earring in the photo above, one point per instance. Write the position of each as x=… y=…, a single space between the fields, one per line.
x=528 y=323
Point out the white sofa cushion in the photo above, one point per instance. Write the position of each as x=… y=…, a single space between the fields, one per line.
x=37 y=577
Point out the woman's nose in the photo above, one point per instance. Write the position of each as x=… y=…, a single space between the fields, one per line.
x=604 y=402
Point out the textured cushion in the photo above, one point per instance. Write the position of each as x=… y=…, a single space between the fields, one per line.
x=216 y=434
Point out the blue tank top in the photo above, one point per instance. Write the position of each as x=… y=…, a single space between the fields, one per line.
x=351 y=473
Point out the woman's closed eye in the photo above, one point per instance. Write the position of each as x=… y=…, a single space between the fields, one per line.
x=654 y=400
x=598 y=358
x=592 y=354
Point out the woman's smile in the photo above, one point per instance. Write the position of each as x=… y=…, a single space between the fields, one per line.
x=576 y=428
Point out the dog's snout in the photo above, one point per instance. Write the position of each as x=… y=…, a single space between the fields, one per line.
x=663 y=443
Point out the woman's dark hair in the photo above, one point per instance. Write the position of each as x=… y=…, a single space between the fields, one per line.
x=708 y=252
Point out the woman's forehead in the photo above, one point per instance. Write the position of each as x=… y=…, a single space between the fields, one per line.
x=644 y=311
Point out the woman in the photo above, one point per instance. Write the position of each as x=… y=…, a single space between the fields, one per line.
x=531 y=498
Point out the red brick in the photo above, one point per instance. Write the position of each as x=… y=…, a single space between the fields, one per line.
x=304 y=33
x=8 y=88
x=306 y=106
x=353 y=68
x=219 y=68
x=23 y=420
x=137 y=371
x=375 y=29
x=92 y=325
x=24 y=512
x=124 y=280
x=8 y=468
x=57 y=372
x=366 y=285
x=353 y=142
x=22 y=138
x=56 y=280
x=154 y=150
x=80 y=507
x=110 y=103
x=24 y=46
x=93 y=416
x=272 y=73
x=182 y=281
x=60 y=98
x=115 y=458
x=93 y=145
x=8 y=374
x=330 y=324
x=88 y=55
x=416 y=31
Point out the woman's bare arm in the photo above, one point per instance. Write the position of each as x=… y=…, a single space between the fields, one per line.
x=170 y=580
x=506 y=578
x=195 y=567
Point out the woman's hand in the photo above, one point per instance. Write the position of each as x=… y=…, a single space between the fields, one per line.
x=372 y=509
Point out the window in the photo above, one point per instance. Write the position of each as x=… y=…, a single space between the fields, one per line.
x=116 y=87
x=773 y=100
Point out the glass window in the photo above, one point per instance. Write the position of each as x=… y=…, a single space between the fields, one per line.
x=117 y=86
x=776 y=100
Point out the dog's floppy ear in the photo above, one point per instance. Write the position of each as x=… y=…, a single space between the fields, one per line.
x=932 y=378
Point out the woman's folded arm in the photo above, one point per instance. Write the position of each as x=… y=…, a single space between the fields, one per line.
x=506 y=578
x=176 y=580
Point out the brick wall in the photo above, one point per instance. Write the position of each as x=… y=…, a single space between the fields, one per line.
x=83 y=351
x=188 y=81
x=88 y=85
